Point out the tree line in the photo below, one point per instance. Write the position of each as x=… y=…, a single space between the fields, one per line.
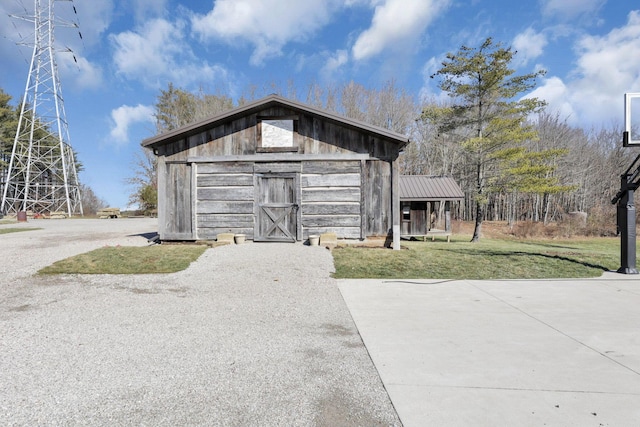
x=514 y=159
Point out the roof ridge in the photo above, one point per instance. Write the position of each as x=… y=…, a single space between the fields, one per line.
x=199 y=126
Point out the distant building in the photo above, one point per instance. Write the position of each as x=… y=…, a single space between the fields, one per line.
x=425 y=203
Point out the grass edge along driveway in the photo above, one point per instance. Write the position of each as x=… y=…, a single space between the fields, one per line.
x=16 y=230
x=460 y=259
x=487 y=259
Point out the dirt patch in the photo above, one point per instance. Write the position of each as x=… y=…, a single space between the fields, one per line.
x=21 y=308
x=336 y=330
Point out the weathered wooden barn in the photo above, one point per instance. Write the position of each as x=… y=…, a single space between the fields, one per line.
x=278 y=170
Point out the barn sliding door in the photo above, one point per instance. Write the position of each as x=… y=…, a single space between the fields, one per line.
x=276 y=208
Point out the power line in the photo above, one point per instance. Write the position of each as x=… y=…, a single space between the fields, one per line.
x=41 y=176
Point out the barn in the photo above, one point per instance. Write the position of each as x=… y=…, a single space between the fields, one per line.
x=278 y=170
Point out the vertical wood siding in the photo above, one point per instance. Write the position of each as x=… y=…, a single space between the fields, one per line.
x=177 y=215
x=378 y=198
x=315 y=136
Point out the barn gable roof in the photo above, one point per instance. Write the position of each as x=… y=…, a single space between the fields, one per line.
x=422 y=187
x=271 y=101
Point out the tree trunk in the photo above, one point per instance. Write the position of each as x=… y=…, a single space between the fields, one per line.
x=479 y=203
x=545 y=207
x=478 y=227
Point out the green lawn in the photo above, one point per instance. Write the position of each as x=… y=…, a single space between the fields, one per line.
x=487 y=259
x=129 y=260
x=460 y=259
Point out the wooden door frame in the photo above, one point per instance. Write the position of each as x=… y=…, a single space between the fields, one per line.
x=169 y=228
x=297 y=191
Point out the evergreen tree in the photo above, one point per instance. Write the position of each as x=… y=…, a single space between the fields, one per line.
x=8 y=126
x=485 y=113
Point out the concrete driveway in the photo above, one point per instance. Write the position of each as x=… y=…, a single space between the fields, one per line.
x=504 y=353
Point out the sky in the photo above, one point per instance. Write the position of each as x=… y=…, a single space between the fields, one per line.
x=131 y=49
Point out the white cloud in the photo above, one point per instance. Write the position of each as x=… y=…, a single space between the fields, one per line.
x=147 y=51
x=355 y=3
x=558 y=96
x=79 y=73
x=94 y=19
x=428 y=92
x=335 y=61
x=268 y=25
x=432 y=66
x=145 y=8
x=396 y=24
x=567 y=9
x=158 y=52
x=529 y=45
x=606 y=69
x=124 y=117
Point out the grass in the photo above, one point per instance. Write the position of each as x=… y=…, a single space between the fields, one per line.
x=129 y=260
x=15 y=230
x=491 y=258
x=488 y=259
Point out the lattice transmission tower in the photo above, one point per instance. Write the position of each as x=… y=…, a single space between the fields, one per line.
x=41 y=176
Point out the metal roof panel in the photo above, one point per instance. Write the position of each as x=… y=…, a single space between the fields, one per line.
x=424 y=187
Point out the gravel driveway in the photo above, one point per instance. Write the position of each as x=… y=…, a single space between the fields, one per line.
x=249 y=335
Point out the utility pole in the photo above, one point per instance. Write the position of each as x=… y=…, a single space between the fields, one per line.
x=41 y=176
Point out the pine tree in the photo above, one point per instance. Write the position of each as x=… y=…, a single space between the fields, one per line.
x=485 y=113
x=8 y=126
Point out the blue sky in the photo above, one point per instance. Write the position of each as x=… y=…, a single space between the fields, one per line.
x=131 y=49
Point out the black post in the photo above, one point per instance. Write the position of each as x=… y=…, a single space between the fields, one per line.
x=627 y=227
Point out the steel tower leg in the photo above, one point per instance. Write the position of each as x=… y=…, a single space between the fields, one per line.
x=41 y=175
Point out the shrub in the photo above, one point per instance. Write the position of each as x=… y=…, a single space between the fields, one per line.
x=602 y=221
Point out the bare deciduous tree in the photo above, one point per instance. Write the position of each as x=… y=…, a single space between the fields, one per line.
x=91 y=203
